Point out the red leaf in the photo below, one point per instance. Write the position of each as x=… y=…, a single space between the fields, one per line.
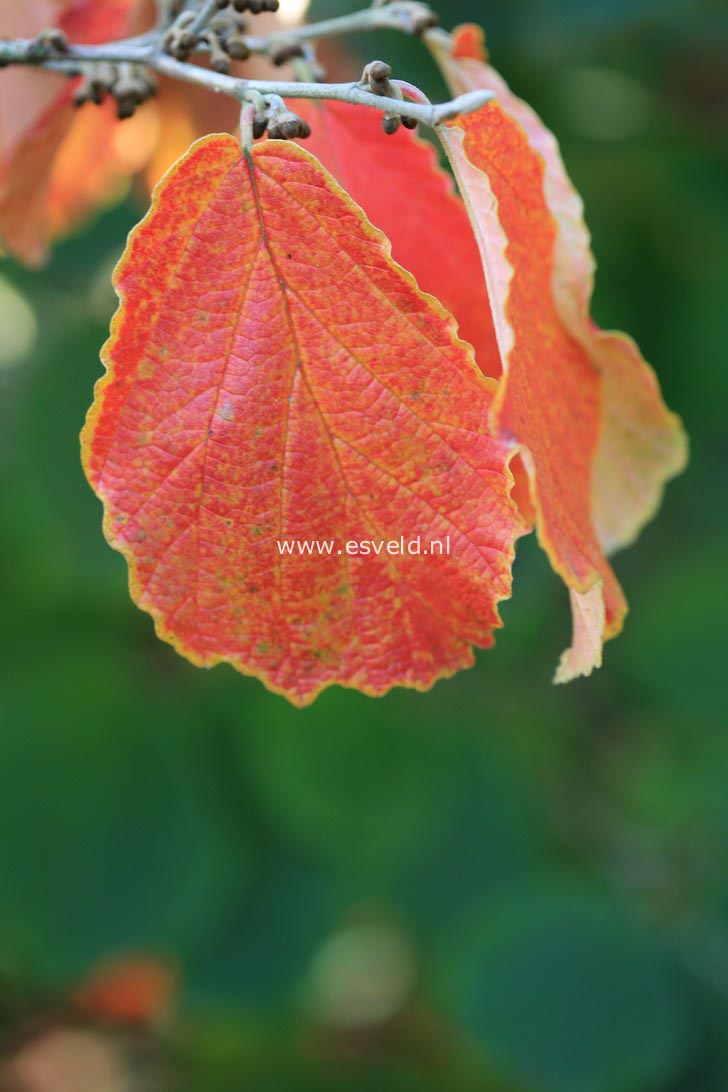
x=40 y=197
x=76 y=161
x=25 y=179
x=604 y=447
x=549 y=401
x=25 y=94
x=92 y=21
x=467 y=42
x=639 y=444
x=274 y=376
x=398 y=182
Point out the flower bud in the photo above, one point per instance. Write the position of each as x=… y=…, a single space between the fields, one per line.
x=390 y=124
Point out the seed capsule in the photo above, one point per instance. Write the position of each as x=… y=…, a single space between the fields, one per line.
x=101 y=79
x=186 y=39
x=288 y=126
x=180 y=43
x=219 y=59
x=376 y=75
x=86 y=92
x=379 y=70
x=283 y=51
x=237 y=47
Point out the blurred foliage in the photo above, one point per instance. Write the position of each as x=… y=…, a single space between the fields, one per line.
x=498 y=885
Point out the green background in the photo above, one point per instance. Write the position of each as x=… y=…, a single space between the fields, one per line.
x=498 y=885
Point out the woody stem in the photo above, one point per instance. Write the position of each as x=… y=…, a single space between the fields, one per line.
x=147 y=51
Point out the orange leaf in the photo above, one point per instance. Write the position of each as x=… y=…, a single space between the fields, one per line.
x=79 y=160
x=96 y=160
x=467 y=42
x=642 y=444
x=274 y=377
x=25 y=180
x=549 y=401
x=55 y=165
x=25 y=94
x=398 y=182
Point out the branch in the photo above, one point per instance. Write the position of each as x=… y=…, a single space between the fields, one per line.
x=406 y=16
x=165 y=13
x=145 y=51
x=338 y=92
x=203 y=17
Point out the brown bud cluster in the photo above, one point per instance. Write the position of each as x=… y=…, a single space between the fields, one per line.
x=129 y=85
x=220 y=59
x=260 y=125
x=180 y=42
x=285 y=49
x=235 y=46
x=376 y=78
x=255 y=7
x=223 y=38
x=286 y=125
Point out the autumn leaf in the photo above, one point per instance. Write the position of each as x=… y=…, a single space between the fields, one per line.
x=642 y=444
x=273 y=377
x=55 y=163
x=598 y=440
x=549 y=401
x=93 y=158
x=96 y=161
x=24 y=97
x=58 y=165
x=99 y=20
x=398 y=182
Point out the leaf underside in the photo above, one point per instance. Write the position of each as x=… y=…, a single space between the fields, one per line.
x=550 y=400
x=600 y=442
